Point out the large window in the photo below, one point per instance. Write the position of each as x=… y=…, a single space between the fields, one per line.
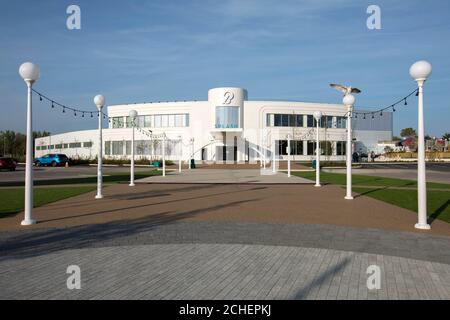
x=310 y=121
x=341 y=148
x=117 y=148
x=117 y=122
x=227 y=117
x=327 y=122
x=341 y=122
x=296 y=147
x=284 y=120
x=75 y=145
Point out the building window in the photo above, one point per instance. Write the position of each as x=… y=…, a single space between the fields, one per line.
x=65 y=146
x=227 y=117
x=325 y=148
x=311 y=148
x=310 y=121
x=341 y=148
x=107 y=148
x=87 y=144
x=147 y=121
x=284 y=120
x=117 y=122
x=58 y=146
x=296 y=147
x=75 y=145
x=327 y=122
x=341 y=122
x=117 y=148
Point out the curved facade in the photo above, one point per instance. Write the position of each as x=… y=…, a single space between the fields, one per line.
x=226 y=128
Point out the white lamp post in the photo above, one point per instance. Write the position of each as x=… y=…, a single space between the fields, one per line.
x=29 y=73
x=99 y=101
x=274 y=169
x=164 y=155
x=289 y=154
x=349 y=101
x=420 y=71
x=133 y=115
x=317 y=116
x=181 y=153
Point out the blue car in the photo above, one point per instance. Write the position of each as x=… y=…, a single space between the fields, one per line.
x=51 y=159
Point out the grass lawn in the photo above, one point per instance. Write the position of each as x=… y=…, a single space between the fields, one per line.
x=438 y=202
x=12 y=199
x=385 y=189
x=340 y=178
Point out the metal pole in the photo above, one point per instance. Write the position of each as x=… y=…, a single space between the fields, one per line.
x=421 y=176
x=349 y=153
x=317 y=155
x=289 y=154
x=164 y=155
x=28 y=220
x=132 y=157
x=274 y=170
x=99 y=158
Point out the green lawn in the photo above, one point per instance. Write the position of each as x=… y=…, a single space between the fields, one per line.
x=12 y=199
x=390 y=190
x=340 y=178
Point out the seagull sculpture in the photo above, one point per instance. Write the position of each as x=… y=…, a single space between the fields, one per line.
x=345 y=90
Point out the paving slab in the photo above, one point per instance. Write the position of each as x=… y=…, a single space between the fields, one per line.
x=226 y=176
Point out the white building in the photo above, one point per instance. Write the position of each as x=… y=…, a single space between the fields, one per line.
x=227 y=127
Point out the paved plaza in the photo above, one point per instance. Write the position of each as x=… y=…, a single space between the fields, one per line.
x=238 y=176
x=223 y=240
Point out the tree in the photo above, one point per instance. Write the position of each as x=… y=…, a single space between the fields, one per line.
x=446 y=136
x=14 y=143
x=388 y=149
x=395 y=138
x=408 y=132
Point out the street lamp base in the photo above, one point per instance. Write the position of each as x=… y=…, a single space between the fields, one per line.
x=28 y=222
x=131 y=184
x=348 y=198
x=425 y=226
x=317 y=185
x=99 y=196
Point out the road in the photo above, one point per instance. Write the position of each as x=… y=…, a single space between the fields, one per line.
x=436 y=172
x=48 y=173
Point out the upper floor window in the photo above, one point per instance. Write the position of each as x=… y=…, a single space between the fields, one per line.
x=117 y=122
x=284 y=120
x=227 y=117
x=341 y=122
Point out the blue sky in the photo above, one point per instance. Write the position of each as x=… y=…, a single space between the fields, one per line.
x=136 y=51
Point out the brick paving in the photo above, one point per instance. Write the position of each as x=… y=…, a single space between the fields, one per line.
x=223 y=241
x=221 y=271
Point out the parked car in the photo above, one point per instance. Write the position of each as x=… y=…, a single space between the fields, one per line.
x=52 y=159
x=7 y=163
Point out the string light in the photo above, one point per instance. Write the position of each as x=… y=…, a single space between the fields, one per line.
x=402 y=101
x=64 y=107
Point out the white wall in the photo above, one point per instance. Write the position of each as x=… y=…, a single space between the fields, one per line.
x=252 y=127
